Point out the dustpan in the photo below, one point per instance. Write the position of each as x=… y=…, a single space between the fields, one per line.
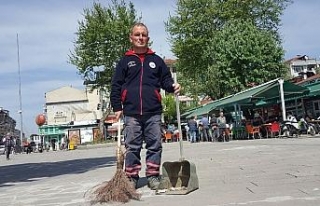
x=178 y=177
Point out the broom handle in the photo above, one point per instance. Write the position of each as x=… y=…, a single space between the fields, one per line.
x=120 y=156
x=179 y=121
x=119 y=133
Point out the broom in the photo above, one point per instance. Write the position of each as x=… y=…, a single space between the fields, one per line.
x=119 y=188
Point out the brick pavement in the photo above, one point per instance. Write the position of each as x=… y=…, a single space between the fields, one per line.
x=284 y=172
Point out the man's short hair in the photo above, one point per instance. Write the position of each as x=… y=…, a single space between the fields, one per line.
x=138 y=24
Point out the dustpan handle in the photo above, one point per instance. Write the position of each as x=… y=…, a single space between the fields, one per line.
x=178 y=119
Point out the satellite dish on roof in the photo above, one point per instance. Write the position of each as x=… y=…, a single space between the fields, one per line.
x=90 y=75
x=98 y=68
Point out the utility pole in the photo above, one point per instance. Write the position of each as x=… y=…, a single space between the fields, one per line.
x=20 y=98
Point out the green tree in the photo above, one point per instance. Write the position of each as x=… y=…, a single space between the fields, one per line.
x=199 y=24
x=169 y=107
x=102 y=38
x=242 y=55
x=189 y=31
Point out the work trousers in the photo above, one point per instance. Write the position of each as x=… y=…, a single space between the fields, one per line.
x=140 y=129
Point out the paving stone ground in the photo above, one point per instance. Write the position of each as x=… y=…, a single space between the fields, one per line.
x=263 y=172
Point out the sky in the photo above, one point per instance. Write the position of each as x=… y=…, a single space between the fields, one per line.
x=44 y=31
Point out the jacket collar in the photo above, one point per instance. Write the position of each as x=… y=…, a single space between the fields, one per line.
x=131 y=52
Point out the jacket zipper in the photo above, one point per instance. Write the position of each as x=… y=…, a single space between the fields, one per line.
x=141 y=75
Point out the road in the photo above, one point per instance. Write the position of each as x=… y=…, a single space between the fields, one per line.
x=282 y=172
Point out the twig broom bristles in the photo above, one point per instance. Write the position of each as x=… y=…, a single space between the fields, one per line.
x=119 y=188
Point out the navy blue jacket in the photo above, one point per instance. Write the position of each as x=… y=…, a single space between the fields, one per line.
x=193 y=126
x=137 y=81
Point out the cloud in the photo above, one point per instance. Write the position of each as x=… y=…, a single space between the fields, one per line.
x=33 y=88
x=299 y=29
x=46 y=32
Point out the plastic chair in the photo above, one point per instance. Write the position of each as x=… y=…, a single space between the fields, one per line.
x=253 y=130
x=168 y=137
x=177 y=136
x=238 y=132
x=275 y=129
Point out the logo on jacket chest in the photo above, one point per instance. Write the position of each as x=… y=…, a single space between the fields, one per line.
x=152 y=65
x=131 y=64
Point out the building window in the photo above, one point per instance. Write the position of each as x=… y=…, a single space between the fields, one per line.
x=316 y=107
x=297 y=69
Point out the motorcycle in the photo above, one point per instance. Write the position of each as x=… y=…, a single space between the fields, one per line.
x=290 y=128
x=307 y=128
x=293 y=128
x=224 y=133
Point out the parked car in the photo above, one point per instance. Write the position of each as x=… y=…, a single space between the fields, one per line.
x=33 y=146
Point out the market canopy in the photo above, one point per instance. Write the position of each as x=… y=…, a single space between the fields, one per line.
x=190 y=111
x=269 y=91
x=314 y=89
x=204 y=109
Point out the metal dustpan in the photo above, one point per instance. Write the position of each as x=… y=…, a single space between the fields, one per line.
x=179 y=177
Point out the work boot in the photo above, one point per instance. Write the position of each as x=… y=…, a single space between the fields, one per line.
x=153 y=182
x=134 y=181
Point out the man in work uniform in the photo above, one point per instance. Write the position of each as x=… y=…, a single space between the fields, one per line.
x=135 y=92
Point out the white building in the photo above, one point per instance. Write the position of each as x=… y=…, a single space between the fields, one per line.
x=302 y=66
x=73 y=113
x=68 y=104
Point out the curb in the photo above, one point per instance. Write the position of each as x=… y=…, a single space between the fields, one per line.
x=94 y=146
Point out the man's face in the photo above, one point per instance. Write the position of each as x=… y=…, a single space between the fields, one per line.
x=139 y=37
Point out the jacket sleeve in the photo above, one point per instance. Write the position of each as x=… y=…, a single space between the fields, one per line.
x=166 y=78
x=116 y=85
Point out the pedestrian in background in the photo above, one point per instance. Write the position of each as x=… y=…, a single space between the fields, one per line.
x=135 y=93
x=8 y=143
x=223 y=129
x=187 y=132
x=214 y=128
x=193 y=128
x=205 y=129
